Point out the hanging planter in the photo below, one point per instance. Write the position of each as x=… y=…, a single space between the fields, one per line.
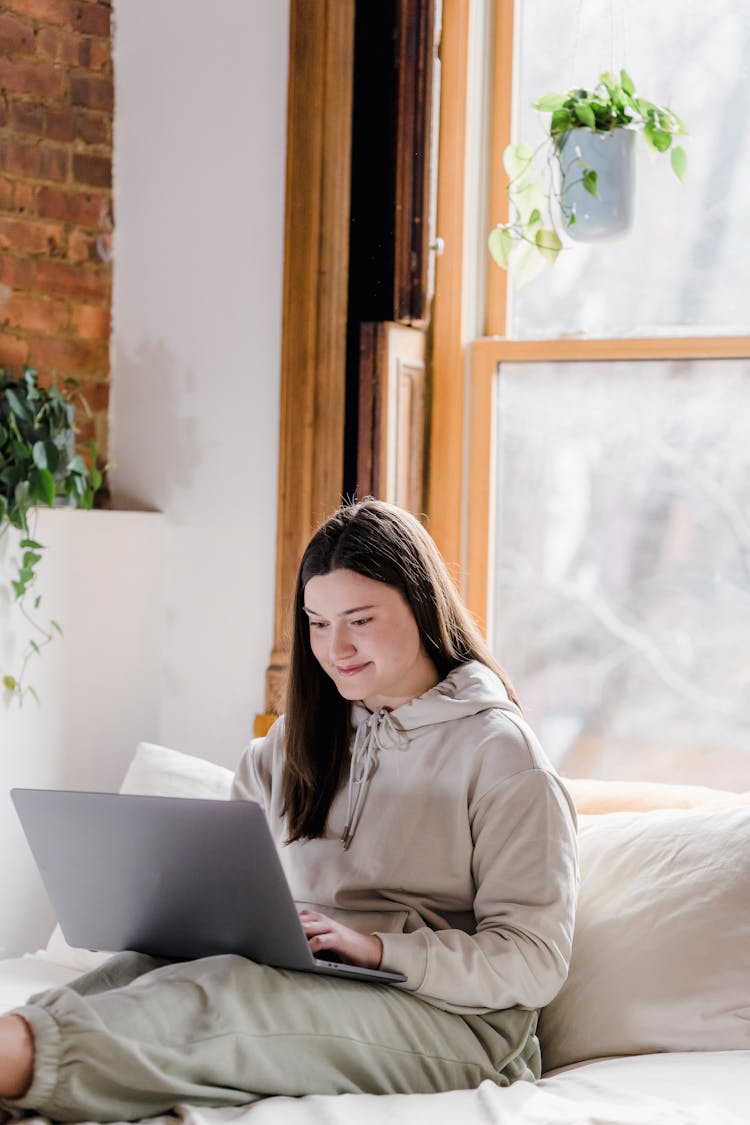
x=580 y=181
x=610 y=213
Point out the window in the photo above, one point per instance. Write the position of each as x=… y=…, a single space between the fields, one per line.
x=608 y=541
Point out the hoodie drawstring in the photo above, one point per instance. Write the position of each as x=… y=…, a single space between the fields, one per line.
x=378 y=732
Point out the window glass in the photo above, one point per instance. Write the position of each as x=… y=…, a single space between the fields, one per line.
x=684 y=269
x=621 y=602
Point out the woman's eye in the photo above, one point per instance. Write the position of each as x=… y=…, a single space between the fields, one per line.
x=317 y=624
x=362 y=621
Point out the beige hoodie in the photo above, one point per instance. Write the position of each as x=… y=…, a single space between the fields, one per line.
x=454 y=841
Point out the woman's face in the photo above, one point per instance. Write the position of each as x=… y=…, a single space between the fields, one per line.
x=365 y=637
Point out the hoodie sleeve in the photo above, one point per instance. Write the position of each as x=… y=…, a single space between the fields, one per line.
x=525 y=872
x=253 y=776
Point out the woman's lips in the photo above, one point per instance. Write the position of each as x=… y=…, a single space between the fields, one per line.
x=352 y=670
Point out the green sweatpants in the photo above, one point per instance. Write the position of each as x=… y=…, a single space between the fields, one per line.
x=137 y=1036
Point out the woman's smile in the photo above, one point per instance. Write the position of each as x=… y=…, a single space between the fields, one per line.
x=365 y=637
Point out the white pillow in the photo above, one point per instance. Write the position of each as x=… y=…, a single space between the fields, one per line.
x=661 y=952
x=159 y=772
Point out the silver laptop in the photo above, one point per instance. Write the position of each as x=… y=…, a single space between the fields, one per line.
x=175 y=877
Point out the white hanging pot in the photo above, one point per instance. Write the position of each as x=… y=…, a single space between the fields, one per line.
x=609 y=213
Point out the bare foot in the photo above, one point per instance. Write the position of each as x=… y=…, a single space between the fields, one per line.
x=16 y=1056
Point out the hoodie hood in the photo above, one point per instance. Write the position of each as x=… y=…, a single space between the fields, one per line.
x=467 y=690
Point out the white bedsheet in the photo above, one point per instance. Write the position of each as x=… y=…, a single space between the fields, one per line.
x=685 y=1088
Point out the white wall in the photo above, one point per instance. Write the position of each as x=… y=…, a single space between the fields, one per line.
x=101 y=579
x=200 y=124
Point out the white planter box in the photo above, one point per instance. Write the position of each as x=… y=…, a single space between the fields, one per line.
x=101 y=578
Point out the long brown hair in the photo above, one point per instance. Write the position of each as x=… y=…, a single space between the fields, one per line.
x=385 y=543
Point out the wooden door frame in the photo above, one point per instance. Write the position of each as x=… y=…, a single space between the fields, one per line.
x=316 y=268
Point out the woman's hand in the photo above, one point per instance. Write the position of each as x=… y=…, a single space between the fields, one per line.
x=322 y=933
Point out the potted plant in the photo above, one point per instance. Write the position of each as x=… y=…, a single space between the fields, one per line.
x=38 y=465
x=580 y=180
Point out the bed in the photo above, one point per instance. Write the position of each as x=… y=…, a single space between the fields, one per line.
x=652 y=1025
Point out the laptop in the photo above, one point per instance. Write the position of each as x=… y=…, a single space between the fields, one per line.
x=175 y=877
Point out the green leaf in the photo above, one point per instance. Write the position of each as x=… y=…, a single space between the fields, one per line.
x=39 y=453
x=500 y=244
x=562 y=120
x=528 y=199
x=590 y=182
x=548 y=103
x=678 y=159
x=34 y=695
x=627 y=83
x=35 y=647
x=548 y=244
x=657 y=138
x=585 y=115
x=16 y=405
x=517 y=160
x=55 y=625
x=10 y=683
x=43 y=486
x=527 y=263
x=31 y=543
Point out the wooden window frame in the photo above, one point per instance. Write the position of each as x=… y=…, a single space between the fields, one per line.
x=461 y=478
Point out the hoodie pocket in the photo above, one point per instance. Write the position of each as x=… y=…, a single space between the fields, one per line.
x=363 y=921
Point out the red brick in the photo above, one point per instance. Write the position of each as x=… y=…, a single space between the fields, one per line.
x=96 y=395
x=59 y=46
x=54 y=163
x=82 y=247
x=96 y=54
x=91 y=322
x=60 y=124
x=27 y=117
x=35 y=314
x=20 y=160
x=59 y=12
x=13 y=350
x=37 y=161
x=77 y=282
x=86 y=429
x=93 y=19
x=94 y=170
x=77 y=207
x=92 y=93
x=68 y=356
x=16 y=272
x=16 y=37
x=31 y=236
x=35 y=78
x=16 y=195
x=94 y=128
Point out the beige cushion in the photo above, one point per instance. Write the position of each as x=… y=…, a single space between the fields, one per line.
x=160 y=772
x=592 y=795
x=661 y=952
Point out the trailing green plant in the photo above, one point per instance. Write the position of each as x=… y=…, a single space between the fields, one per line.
x=531 y=238
x=38 y=466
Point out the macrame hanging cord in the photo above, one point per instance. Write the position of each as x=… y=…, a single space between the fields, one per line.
x=618 y=46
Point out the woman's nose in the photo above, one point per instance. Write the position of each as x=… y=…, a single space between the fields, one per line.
x=341 y=644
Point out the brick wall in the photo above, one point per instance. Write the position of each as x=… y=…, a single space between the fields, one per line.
x=56 y=100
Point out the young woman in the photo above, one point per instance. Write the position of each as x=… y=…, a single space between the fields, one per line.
x=422 y=831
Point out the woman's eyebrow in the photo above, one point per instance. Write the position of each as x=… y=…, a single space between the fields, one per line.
x=346 y=612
